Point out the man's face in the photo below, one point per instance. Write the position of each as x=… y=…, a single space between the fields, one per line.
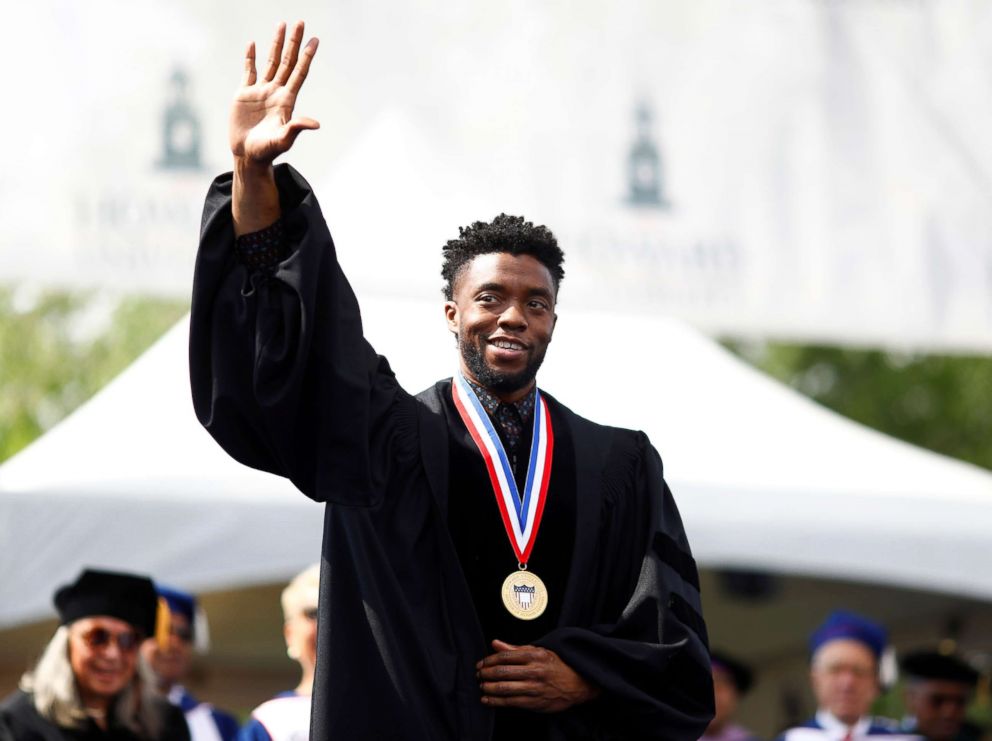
x=170 y=663
x=939 y=707
x=502 y=313
x=844 y=675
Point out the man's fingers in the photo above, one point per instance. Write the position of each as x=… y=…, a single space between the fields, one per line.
x=302 y=122
x=514 y=655
x=521 y=702
x=250 y=74
x=532 y=678
x=288 y=62
x=510 y=689
x=511 y=672
x=275 y=52
x=499 y=645
x=303 y=66
x=505 y=657
x=292 y=130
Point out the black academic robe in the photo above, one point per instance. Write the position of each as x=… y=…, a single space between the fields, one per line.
x=20 y=721
x=283 y=378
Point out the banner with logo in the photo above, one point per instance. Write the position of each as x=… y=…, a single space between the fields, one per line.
x=802 y=170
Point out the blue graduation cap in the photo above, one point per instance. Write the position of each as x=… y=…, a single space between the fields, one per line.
x=849 y=625
x=187 y=605
x=182 y=602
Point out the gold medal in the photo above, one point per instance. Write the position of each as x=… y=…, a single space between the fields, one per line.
x=524 y=595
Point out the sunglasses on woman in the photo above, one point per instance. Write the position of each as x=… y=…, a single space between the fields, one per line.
x=126 y=641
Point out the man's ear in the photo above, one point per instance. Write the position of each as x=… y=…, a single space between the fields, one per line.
x=451 y=315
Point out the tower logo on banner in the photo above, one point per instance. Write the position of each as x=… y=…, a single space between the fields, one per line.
x=181 y=131
x=645 y=176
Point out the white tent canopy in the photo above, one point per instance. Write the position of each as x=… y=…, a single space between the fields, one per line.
x=763 y=477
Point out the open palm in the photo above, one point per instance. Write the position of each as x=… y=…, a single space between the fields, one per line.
x=262 y=125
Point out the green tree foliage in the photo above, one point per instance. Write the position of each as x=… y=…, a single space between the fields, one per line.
x=57 y=349
x=940 y=402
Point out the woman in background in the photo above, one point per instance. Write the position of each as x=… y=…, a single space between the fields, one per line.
x=90 y=682
x=286 y=717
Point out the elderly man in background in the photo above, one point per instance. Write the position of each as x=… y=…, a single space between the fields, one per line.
x=938 y=690
x=87 y=685
x=170 y=661
x=845 y=652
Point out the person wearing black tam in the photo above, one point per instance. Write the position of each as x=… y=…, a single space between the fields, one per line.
x=90 y=684
x=938 y=690
x=731 y=681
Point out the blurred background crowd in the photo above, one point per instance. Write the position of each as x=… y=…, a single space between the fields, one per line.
x=128 y=661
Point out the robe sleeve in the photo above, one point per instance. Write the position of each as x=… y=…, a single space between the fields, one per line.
x=281 y=374
x=647 y=647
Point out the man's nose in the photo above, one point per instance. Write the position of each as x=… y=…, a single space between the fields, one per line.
x=513 y=316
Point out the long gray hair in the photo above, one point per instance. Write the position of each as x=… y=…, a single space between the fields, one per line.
x=56 y=695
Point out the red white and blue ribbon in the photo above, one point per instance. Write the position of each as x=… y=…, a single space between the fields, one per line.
x=521 y=514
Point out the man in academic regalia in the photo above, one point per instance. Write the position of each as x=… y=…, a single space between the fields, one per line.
x=494 y=565
x=845 y=652
x=938 y=689
x=170 y=658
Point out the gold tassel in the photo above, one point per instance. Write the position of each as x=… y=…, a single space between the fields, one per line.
x=163 y=618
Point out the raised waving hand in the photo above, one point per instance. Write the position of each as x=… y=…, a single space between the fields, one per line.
x=262 y=124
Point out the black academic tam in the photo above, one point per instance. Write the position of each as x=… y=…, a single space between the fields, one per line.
x=284 y=379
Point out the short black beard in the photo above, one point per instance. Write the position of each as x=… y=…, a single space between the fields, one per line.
x=492 y=379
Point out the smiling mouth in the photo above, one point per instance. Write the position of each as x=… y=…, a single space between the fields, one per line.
x=107 y=675
x=506 y=344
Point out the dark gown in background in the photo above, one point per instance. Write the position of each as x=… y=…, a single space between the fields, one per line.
x=20 y=721
x=283 y=378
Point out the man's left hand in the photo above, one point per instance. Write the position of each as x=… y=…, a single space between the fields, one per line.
x=532 y=678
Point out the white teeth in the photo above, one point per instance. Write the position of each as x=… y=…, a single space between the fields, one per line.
x=508 y=345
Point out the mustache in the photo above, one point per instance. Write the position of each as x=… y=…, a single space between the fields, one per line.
x=473 y=355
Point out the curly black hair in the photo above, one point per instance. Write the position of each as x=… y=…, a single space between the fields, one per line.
x=512 y=234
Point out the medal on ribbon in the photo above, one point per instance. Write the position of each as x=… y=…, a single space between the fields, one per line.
x=524 y=594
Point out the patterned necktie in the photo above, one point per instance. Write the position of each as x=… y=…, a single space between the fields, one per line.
x=512 y=426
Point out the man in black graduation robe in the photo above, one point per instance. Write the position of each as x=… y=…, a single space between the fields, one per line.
x=283 y=378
